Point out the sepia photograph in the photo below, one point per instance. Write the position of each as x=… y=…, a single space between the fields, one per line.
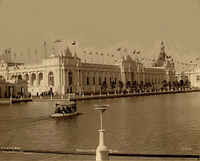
x=99 y=80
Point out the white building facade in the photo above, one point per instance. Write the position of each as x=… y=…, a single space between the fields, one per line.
x=64 y=72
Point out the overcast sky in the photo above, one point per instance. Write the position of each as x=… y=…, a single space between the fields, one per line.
x=103 y=23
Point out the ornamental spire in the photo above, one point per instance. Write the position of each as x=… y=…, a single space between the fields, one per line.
x=162 y=48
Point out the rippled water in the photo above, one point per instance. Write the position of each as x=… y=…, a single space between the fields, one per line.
x=167 y=124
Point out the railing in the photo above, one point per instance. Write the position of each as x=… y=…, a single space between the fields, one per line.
x=92 y=152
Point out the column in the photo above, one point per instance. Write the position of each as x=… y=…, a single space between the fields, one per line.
x=63 y=81
x=23 y=76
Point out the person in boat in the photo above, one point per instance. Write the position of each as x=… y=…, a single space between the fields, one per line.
x=64 y=110
x=58 y=110
x=69 y=109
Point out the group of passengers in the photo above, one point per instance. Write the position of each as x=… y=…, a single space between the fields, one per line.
x=66 y=109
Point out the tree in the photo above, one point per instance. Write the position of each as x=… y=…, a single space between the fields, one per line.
x=181 y=83
x=104 y=85
x=187 y=83
x=142 y=86
x=164 y=84
x=113 y=84
x=134 y=85
x=128 y=84
x=170 y=85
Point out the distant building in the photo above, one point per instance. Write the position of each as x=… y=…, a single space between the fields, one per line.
x=193 y=76
x=167 y=63
x=5 y=54
x=65 y=71
x=14 y=88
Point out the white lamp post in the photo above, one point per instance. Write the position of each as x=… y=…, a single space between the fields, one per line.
x=102 y=153
x=51 y=96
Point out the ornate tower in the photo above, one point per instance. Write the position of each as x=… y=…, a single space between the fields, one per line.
x=162 y=56
x=162 y=51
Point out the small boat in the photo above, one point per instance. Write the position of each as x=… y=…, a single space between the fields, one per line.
x=65 y=109
x=60 y=115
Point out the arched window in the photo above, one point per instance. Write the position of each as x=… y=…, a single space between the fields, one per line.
x=33 y=79
x=70 y=78
x=50 y=79
x=40 y=78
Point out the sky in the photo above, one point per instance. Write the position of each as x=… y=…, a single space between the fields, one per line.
x=103 y=24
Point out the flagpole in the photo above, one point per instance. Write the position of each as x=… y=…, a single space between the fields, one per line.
x=75 y=56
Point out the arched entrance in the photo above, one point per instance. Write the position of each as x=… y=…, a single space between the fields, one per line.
x=33 y=79
x=40 y=78
x=50 y=79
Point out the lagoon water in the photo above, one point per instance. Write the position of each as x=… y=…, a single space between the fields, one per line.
x=164 y=124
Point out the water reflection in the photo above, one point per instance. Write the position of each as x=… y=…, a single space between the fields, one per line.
x=154 y=124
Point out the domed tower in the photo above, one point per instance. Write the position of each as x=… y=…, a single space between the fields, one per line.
x=162 y=56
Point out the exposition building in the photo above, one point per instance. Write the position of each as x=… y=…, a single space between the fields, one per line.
x=13 y=88
x=65 y=70
x=193 y=75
